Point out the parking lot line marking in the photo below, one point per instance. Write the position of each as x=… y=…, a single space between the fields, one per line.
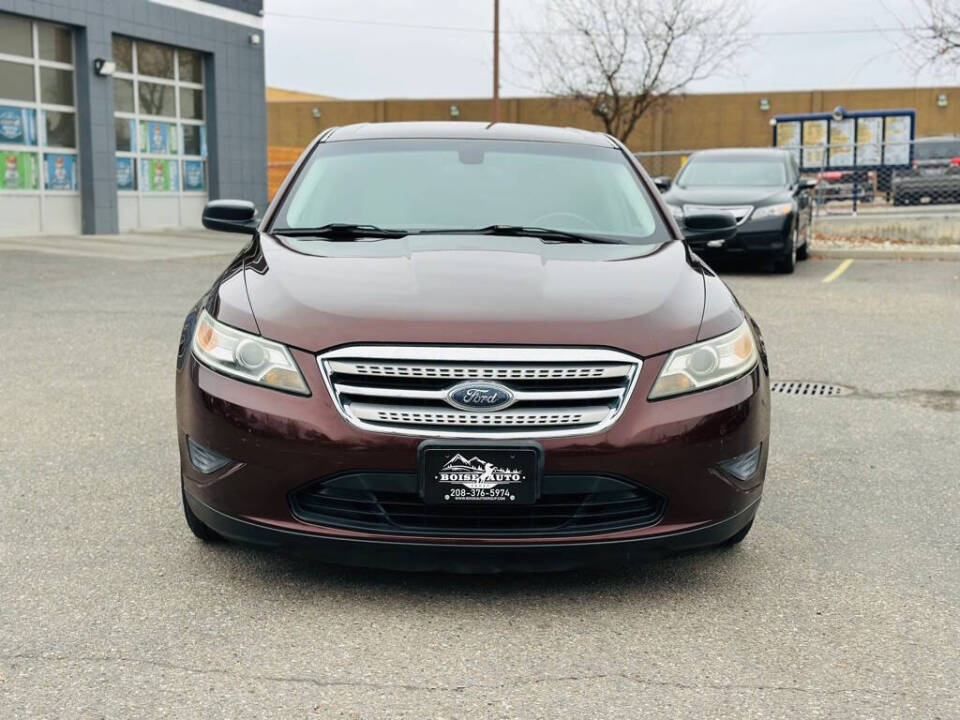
x=841 y=268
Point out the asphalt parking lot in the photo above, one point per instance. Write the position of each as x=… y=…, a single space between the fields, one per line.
x=843 y=602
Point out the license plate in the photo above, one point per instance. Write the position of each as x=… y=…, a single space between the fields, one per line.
x=480 y=474
x=933 y=171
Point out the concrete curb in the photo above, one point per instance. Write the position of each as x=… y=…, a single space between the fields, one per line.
x=908 y=252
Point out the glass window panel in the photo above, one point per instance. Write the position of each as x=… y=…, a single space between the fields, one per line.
x=191 y=66
x=15 y=36
x=59 y=171
x=56 y=86
x=20 y=170
x=123 y=95
x=126 y=173
x=54 y=42
x=191 y=104
x=159 y=175
x=192 y=141
x=61 y=128
x=158 y=138
x=16 y=81
x=123 y=53
x=156 y=60
x=156 y=99
x=194 y=177
x=124 y=132
x=18 y=125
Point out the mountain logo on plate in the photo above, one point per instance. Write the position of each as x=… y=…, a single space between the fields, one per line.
x=477 y=474
x=480 y=396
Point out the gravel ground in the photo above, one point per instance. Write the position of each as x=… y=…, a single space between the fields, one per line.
x=842 y=603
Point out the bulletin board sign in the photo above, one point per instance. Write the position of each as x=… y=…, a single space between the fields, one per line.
x=864 y=139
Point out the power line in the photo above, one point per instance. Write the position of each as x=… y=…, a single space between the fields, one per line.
x=488 y=31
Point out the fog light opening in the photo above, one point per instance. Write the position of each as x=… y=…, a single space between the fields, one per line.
x=743 y=467
x=203 y=458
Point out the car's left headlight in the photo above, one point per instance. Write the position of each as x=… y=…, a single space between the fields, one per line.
x=772 y=211
x=707 y=363
x=249 y=357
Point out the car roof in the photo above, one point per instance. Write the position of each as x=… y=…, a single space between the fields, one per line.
x=743 y=153
x=468 y=131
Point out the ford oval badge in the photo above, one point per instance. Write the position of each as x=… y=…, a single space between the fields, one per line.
x=480 y=396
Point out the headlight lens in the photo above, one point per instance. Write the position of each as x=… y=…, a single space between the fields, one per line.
x=245 y=356
x=707 y=363
x=771 y=211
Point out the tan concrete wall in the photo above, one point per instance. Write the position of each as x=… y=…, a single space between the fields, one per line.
x=682 y=123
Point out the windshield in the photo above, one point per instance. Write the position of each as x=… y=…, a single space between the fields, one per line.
x=937 y=150
x=730 y=172
x=469 y=184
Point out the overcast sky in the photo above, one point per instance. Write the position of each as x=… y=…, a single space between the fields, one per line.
x=368 y=49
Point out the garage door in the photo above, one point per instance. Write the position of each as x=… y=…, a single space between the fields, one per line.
x=39 y=192
x=161 y=135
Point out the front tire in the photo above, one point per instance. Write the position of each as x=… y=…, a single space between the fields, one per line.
x=788 y=262
x=803 y=250
x=196 y=525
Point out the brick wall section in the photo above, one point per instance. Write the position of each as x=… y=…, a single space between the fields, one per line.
x=236 y=110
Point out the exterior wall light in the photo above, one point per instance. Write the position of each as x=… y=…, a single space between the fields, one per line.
x=316 y=113
x=104 y=68
x=454 y=111
x=255 y=38
x=942 y=100
x=764 y=104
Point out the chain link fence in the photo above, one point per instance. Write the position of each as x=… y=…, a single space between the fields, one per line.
x=916 y=177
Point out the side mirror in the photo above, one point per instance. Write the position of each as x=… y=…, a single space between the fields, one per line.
x=808 y=183
x=713 y=228
x=663 y=182
x=239 y=216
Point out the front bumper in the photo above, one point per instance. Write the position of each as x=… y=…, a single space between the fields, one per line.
x=450 y=557
x=767 y=237
x=280 y=443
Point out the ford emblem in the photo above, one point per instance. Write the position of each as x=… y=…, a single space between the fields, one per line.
x=480 y=396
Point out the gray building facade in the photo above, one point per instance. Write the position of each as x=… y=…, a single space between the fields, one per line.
x=176 y=114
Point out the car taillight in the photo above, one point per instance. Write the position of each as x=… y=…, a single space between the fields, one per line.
x=955 y=162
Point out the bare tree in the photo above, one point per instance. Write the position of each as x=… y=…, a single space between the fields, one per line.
x=936 y=40
x=622 y=57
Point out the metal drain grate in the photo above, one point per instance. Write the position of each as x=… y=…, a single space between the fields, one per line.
x=801 y=387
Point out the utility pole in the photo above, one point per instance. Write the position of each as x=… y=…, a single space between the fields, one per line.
x=495 y=112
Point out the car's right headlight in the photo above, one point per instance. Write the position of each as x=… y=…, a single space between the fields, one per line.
x=249 y=357
x=707 y=363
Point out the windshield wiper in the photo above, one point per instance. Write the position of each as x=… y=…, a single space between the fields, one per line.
x=525 y=231
x=341 y=231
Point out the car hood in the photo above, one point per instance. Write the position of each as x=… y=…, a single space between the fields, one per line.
x=315 y=295
x=723 y=196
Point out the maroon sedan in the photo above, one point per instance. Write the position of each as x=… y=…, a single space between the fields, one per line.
x=470 y=347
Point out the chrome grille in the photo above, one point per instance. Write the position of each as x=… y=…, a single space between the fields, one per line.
x=740 y=212
x=403 y=389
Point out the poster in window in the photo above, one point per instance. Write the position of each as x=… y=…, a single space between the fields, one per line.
x=192 y=175
x=19 y=171
x=841 y=143
x=159 y=175
x=18 y=126
x=814 y=142
x=60 y=171
x=869 y=140
x=897 y=130
x=125 y=174
x=158 y=138
x=788 y=137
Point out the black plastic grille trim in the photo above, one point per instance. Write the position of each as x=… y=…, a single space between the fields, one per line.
x=390 y=503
